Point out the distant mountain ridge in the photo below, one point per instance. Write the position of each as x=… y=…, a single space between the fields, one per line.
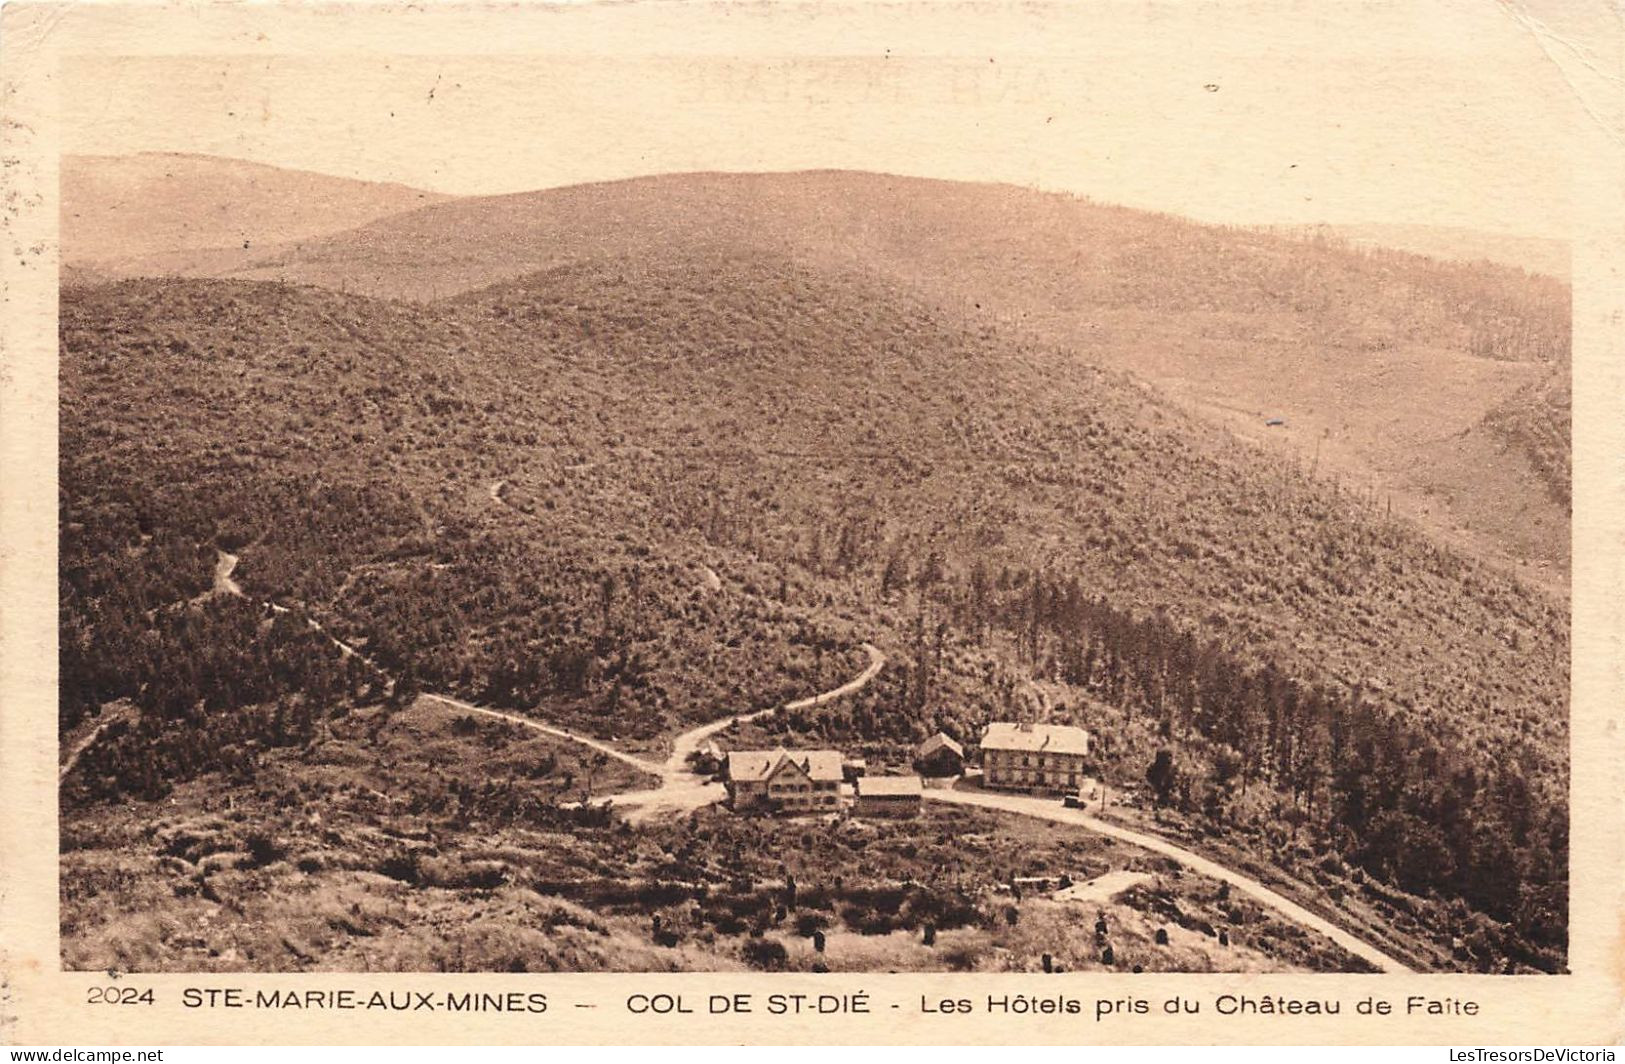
x=116 y=209
x=1543 y=255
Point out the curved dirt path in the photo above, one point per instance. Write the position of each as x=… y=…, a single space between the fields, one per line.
x=1048 y=809
x=681 y=790
x=225 y=563
x=548 y=729
x=688 y=742
x=121 y=713
x=677 y=784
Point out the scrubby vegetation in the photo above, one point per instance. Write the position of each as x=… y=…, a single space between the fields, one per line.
x=1375 y=359
x=373 y=850
x=632 y=493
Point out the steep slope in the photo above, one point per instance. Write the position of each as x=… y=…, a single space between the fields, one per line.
x=174 y=212
x=1366 y=361
x=514 y=496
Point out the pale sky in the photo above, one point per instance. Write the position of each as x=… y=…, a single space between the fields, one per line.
x=1444 y=114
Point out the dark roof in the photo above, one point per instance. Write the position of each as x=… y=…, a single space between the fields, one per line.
x=937 y=742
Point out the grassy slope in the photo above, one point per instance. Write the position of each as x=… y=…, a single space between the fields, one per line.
x=1532 y=253
x=187 y=208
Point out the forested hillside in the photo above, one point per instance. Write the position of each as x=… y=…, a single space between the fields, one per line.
x=639 y=490
x=1371 y=362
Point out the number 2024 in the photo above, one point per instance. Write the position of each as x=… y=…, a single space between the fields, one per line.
x=118 y=995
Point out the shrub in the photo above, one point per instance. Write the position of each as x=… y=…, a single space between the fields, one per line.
x=808 y=922
x=768 y=954
x=405 y=866
x=262 y=849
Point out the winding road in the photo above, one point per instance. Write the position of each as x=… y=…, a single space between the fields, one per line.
x=681 y=790
x=121 y=713
x=226 y=564
x=1050 y=809
x=548 y=729
x=688 y=742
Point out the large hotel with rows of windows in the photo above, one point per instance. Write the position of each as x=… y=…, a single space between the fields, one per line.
x=1034 y=757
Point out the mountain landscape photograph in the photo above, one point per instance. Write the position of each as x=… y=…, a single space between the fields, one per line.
x=539 y=531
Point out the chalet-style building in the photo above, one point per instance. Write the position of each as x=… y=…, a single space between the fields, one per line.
x=889 y=796
x=939 y=756
x=1034 y=757
x=791 y=781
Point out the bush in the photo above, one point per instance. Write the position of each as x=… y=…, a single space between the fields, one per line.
x=406 y=867
x=768 y=954
x=808 y=922
x=262 y=849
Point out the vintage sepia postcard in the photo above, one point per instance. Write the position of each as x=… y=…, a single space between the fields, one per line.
x=841 y=522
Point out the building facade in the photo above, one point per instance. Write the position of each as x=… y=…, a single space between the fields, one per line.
x=790 y=781
x=1049 y=758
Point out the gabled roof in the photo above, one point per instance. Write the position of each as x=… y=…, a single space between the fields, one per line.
x=937 y=742
x=820 y=765
x=890 y=787
x=1036 y=738
x=759 y=765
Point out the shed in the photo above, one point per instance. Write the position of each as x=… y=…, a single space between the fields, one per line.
x=939 y=755
x=889 y=795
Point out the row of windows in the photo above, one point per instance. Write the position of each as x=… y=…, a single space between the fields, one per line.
x=1032 y=760
x=1069 y=778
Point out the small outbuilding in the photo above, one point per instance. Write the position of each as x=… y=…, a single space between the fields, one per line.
x=939 y=756
x=889 y=796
